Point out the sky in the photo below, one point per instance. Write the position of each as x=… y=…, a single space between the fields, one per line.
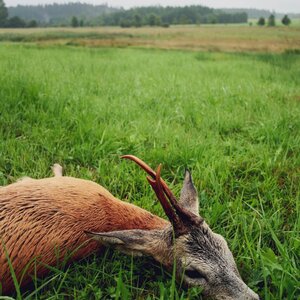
x=285 y=6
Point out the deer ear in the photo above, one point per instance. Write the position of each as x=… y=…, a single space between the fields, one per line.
x=136 y=242
x=189 y=195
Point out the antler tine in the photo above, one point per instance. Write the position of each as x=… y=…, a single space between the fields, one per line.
x=158 y=189
x=142 y=164
x=183 y=213
x=152 y=173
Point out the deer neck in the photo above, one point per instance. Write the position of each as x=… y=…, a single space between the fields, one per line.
x=111 y=214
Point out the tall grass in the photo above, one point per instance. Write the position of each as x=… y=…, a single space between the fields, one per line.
x=233 y=119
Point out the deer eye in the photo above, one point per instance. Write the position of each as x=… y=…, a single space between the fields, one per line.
x=195 y=274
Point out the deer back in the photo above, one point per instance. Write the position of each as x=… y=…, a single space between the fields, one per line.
x=45 y=219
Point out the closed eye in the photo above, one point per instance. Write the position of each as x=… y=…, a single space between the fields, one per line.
x=194 y=274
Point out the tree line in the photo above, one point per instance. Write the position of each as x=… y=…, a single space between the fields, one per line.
x=14 y=21
x=60 y=14
x=157 y=15
x=79 y=14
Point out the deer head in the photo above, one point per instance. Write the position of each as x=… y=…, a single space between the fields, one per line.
x=202 y=257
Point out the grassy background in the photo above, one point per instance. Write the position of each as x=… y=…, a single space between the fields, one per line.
x=229 y=38
x=233 y=119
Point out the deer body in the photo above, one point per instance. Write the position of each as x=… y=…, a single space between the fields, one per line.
x=43 y=218
x=48 y=218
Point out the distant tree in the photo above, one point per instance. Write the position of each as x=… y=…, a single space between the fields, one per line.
x=81 y=23
x=137 y=20
x=74 y=22
x=212 y=19
x=16 y=22
x=157 y=20
x=183 y=19
x=125 y=23
x=32 y=24
x=3 y=14
x=261 y=21
x=286 y=20
x=271 y=20
x=152 y=20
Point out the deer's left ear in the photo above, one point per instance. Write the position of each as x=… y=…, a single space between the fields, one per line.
x=136 y=242
x=189 y=195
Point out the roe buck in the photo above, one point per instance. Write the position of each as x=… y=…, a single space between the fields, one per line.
x=38 y=216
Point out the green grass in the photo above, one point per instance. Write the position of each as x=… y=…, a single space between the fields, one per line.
x=233 y=119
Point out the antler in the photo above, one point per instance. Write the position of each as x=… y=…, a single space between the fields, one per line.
x=181 y=216
x=159 y=191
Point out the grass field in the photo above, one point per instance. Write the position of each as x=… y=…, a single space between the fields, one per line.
x=229 y=38
x=232 y=118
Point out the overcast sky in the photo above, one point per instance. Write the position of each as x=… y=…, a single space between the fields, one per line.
x=277 y=5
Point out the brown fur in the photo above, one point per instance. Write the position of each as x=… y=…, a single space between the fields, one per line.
x=40 y=218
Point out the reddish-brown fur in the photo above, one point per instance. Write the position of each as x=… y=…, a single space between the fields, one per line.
x=40 y=218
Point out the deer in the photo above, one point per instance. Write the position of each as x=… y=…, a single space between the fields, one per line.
x=79 y=216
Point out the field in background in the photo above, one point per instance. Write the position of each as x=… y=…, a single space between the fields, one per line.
x=230 y=38
x=232 y=118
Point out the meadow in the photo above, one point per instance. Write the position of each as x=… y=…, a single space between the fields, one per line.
x=232 y=118
x=225 y=38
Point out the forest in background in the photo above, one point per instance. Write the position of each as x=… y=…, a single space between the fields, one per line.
x=83 y=14
x=104 y=15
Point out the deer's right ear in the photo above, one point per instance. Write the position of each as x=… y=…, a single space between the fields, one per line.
x=136 y=242
x=189 y=195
